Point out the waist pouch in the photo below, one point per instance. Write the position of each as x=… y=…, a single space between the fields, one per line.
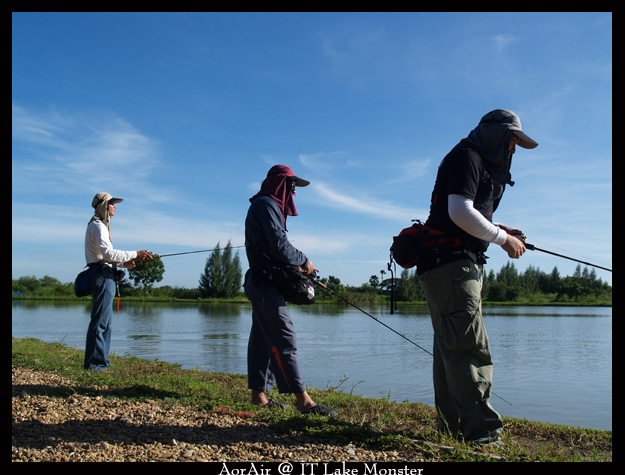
x=84 y=280
x=420 y=242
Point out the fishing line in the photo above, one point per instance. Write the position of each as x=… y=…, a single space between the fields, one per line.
x=323 y=286
x=191 y=252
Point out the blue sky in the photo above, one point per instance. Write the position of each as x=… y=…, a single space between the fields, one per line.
x=182 y=114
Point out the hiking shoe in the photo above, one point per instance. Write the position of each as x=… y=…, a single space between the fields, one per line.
x=279 y=405
x=487 y=442
x=321 y=410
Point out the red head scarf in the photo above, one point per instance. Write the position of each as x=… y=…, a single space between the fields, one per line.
x=279 y=186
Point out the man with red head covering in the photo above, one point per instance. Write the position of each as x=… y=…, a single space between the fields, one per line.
x=272 y=347
x=280 y=185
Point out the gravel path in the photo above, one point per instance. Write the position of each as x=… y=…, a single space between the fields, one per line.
x=84 y=428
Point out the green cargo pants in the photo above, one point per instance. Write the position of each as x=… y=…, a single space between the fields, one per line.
x=463 y=369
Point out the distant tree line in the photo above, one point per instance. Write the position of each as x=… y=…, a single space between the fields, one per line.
x=222 y=278
x=510 y=285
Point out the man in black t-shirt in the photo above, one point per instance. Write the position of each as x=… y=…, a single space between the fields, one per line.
x=469 y=185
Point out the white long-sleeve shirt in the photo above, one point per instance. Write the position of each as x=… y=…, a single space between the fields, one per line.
x=467 y=218
x=98 y=246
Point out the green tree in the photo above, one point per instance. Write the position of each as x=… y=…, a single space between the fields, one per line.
x=506 y=287
x=530 y=280
x=29 y=284
x=571 y=287
x=45 y=287
x=489 y=280
x=408 y=287
x=334 y=284
x=145 y=274
x=232 y=272
x=212 y=277
x=222 y=274
x=584 y=284
x=551 y=282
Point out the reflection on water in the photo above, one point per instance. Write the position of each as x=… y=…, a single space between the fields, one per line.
x=554 y=364
x=219 y=310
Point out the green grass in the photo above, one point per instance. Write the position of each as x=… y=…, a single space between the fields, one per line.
x=371 y=423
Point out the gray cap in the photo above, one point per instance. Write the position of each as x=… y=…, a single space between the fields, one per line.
x=505 y=116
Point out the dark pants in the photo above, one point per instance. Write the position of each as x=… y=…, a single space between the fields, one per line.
x=99 y=332
x=463 y=368
x=272 y=348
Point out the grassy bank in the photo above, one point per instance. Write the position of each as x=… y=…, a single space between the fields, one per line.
x=363 y=422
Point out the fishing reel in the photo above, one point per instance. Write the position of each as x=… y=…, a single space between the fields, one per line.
x=523 y=239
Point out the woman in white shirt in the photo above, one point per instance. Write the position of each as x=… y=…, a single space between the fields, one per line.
x=99 y=252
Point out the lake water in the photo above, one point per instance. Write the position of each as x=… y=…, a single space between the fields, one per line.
x=552 y=364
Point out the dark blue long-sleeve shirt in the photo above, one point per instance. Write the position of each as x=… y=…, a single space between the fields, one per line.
x=265 y=231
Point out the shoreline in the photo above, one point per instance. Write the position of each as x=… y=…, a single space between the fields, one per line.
x=156 y=411
x=320 y=302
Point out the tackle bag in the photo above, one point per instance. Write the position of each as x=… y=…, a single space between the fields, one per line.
x=291 y=282
x=294 y=285
x=417 y=242
x=82 y=284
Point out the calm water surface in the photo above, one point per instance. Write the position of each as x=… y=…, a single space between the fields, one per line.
x=552 y=364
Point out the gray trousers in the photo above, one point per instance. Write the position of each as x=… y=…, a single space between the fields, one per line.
x=463 y=369
x=272 y=348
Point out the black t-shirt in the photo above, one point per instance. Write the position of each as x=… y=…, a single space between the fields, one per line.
x=461 y=172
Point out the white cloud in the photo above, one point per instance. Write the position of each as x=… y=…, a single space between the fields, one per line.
x=362 y=204
x=322 y=160
x=501 y=42
x=411 y=170
x=63 y=153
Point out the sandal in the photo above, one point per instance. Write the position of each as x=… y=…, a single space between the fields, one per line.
x=321 y=410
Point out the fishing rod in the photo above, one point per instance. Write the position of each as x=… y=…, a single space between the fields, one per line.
x=531 y=247
x=323 y=286
x=190 y=252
